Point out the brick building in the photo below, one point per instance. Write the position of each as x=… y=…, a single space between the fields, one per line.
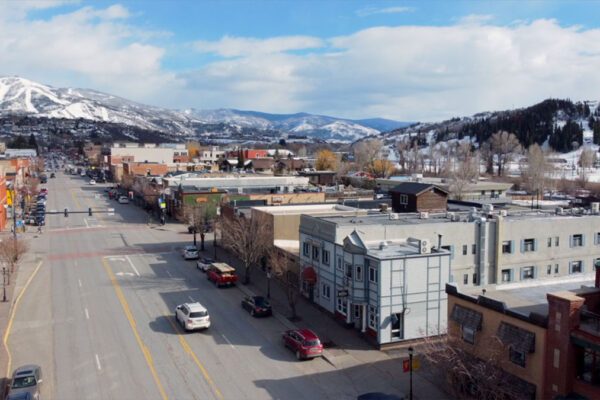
x=142 y=168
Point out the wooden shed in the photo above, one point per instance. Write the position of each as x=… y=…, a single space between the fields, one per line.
x=418 y=197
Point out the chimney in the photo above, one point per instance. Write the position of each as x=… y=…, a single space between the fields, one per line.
x=439 y=241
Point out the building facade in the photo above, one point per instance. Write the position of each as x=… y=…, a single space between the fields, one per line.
x=418 y=197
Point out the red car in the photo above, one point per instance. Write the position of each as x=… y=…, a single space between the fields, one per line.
x=303 y=342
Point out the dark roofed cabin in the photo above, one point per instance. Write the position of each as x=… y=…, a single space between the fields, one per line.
x=418 y=197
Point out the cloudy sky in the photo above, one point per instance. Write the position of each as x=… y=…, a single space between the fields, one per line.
x=408 y=61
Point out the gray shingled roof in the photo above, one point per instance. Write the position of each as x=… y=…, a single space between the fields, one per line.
x=411 y=188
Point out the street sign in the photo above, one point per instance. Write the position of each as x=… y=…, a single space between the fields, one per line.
x=415 y=364
x=342 y=293
x=405 y=365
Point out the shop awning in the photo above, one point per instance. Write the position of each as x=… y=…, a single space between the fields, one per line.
x=309 y=275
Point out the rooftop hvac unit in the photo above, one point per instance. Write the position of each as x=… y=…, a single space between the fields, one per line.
x=394 y=216
x=382 y=245
x=424 y=246
x=456 y=218
x=559 y=210
x=450 y=215
x=424 y=215
x=595 y=208
x=487 y=208
x=503 y=213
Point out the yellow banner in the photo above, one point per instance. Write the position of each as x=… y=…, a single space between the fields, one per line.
x=9 y=197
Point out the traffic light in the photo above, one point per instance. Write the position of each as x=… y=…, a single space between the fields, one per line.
x=66 y=212
x=90 y=211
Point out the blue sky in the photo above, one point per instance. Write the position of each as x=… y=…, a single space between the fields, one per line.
x=411 y=61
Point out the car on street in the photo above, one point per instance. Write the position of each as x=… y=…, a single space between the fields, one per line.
x=192 y=316
x=303 y=342
x=257 y=306
x=92 y=182
x=44 y=191
x=221 y=274
x=40 y=220
x=204 y=264
x=123 y=200
x=26 y=379
x=190 y=253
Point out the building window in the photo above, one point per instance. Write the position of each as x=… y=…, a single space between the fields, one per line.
x=556 y=241
x=466 y=279
x=507 y=246
x=577 y=240
x=528 y=245
x=315 y=253
x=474 y=279
x=527 y=273
x=474 y=249
x=597 y=238
x=576 y=267
x=342 y=305
x=588 y=368
x=340 y=264
x=556 y=268
x=397 y=325
x=373 y=317
x=326 y=291
x=306 y=249
x=325 y=258
x=403 y=199
x=507 y=275
x=464 y=249
x=549 y=242
x=349 y=270
x=549 y=269
x=517 y=356
x=359 y=273
x=373 y=273
x=468 y=335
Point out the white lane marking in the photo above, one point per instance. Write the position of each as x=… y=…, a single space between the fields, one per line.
x=227 y=340
x=79 y=282
x=132 y=266
x=86 y=222
x=191 y=299
x=124 y=273
x=98 y=363
x=168 y=273
x=87 y=315
x=116 y=258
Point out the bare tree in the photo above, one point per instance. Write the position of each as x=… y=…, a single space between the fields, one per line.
x=487 y=155
x=466 y=170
x=536 y=171
x=586 y=161
x=12 y=252
x=287 y=279
x=366 y=152
x=247 y=238
x=403 y=147
x=504 y=146
x=464 y=374
x=199 y=217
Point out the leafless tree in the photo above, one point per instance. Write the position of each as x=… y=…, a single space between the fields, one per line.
x=247 y=238
x=280 y=267
x=487 y=155
x=366 y=152
x=504 y=145
x=466 y=375
x=586 y=161
x=199 y=217
x=403 y=146
x=12 y=252
x=536 y=171
x=466 y=169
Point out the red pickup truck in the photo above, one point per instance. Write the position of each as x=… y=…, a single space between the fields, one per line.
x=221 y=274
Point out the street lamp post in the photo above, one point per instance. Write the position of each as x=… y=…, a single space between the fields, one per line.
x=410 y=361
x=4 y=283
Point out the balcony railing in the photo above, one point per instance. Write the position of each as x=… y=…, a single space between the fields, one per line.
x=589 y=322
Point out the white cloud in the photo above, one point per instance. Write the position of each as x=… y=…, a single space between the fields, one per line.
x=365 y=12
x=233 y=47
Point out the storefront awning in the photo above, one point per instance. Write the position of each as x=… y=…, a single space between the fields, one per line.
x=309 y=275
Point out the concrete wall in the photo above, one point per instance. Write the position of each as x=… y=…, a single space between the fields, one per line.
x=142 y=154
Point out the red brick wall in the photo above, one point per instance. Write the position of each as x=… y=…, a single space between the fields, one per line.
x=142 y=169
x=2 y=202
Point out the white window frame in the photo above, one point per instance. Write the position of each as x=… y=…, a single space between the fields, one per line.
x=373 y=274
x=403 y=199
x=342 y=306
x=306 y=249
x=358 y=272
x=373 y=317
x=325 y=257
x=340 y=264
x=326 y=291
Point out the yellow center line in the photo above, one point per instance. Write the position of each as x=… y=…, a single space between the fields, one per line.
x=133 y=324
x=75 y=198
x=96 y=213
x=12 y=315
x=189 y=350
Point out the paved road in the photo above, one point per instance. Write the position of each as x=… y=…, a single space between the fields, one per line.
x=98 y=317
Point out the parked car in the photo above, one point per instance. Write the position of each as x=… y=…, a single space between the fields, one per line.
x=123 y=200
x=303 y=342
x=257 y=306
x=192 y=316
x=40 y=220
x=44 y=191
x=92 y=182
x=26 y=379
x=53 y=175
x=190 y=253
x=204 y=264
x=221 y=274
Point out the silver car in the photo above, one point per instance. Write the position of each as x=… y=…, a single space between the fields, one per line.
x=26 y=381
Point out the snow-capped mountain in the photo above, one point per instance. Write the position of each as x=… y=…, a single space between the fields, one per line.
x=22 y=96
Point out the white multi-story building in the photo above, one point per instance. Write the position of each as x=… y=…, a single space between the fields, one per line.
x=498 y=249
x=145 y=152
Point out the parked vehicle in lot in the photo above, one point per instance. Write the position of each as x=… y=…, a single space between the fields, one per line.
x=192 y=316
x=257 y=305
x=123 y=200
x=221 y=274
x=26 y=380
x=303 y=342
x=204 y=264
x=190 y=253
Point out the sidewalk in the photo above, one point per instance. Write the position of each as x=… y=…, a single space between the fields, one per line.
x=345 y=348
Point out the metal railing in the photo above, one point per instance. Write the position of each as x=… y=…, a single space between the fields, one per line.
x=589 y=322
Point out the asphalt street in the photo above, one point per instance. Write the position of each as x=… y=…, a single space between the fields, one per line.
x=98 y=316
